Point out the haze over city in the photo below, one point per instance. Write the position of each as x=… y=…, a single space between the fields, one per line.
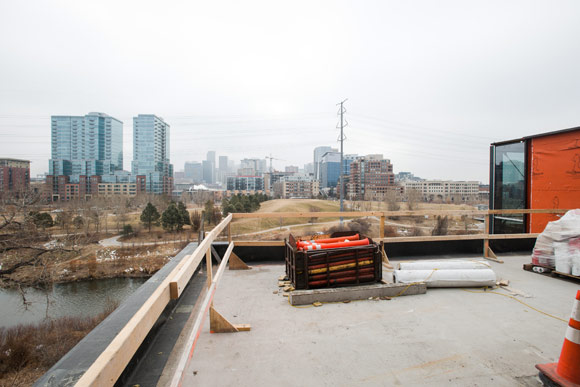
x=429 y=85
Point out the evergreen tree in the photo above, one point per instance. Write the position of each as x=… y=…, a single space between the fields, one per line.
x=208 y=212
x=149 y=215
x=183 y=213
x=171 y=219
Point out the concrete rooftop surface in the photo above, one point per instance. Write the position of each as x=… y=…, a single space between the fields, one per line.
x=445 y=337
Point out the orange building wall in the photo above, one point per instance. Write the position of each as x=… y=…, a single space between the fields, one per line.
x=554 y=176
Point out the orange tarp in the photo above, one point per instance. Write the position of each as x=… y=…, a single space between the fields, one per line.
x=554 y=180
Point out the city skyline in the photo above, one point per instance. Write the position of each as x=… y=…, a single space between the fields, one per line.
x=429 y=85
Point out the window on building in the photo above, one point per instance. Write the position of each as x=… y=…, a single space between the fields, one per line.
x=509 y=187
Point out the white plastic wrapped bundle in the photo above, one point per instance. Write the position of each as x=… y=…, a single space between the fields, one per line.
x=562 y=257
x=564 y=230
x=444 y=265
x=574 y=250
x=447 y=278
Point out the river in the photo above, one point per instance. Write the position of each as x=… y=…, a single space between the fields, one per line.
x=85 y=298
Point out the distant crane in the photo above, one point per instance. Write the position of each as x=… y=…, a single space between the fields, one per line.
x=272 y=158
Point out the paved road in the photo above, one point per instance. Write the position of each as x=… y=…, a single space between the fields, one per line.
x=114 y=242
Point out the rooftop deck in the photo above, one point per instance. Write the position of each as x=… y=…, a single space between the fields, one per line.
x=445 y=337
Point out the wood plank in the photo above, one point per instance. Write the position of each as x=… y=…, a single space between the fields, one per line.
x=434 y=238
x=182 y=277
x=236 y=263
x=382 y=227
x=216 y=255
x=529 y=211
x=513 y=236
x=335 y=214
x=198 y=324
x=351 y=214
x=351 y=293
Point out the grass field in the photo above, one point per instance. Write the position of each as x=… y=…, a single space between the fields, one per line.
x=304 y=226
x=244 y=226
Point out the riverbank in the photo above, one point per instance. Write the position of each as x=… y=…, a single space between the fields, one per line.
x=28 y=351
x=93 y=262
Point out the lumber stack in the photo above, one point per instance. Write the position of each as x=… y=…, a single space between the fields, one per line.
x=331 y=266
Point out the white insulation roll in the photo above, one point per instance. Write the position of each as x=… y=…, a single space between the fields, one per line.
x=447 y=278
x=444 y=265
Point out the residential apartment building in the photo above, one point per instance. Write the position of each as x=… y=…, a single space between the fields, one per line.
x=115 y=189
x=446 y=190
x=296 y=186
x=245 y=183
x=84 y=150
x=90 y=145
x=14 y=176
x=370 y=178
x=151 y=153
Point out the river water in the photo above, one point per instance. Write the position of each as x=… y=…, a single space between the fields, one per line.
x=85 y=298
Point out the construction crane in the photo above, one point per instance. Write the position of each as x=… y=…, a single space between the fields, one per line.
x=272 y=158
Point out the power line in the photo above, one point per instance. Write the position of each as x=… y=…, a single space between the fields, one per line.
x=341 y=139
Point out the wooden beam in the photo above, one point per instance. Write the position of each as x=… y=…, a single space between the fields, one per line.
x=490 y=255
x=236 y=263
x=219 y=324
x=382 y=227
x=529 y=211
x=216 y=255
x=435 y=238
x=386 y=261
x=208 y=267
x=513 y=236
x=112 y=361
x=191 y=340
x=354 y=214
x=262 y=215
x=182 y=277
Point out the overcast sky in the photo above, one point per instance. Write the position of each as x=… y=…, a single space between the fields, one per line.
x=430 y=84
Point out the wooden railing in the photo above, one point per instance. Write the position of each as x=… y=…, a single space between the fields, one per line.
x=111 y=363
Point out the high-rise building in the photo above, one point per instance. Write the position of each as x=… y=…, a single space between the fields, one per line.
x=14 y=176
x=90 y=145
x=151 y=153
x=223 y=163
x=329 y=169
x=193 y=171
x=318 y=153
x=208 y=172
x=370 y=178
x=208 y=167
x=222 y=170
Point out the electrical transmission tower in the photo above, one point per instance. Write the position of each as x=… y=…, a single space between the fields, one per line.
x=341 y=138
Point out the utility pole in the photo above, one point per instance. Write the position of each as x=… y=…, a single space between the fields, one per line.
x=341 y=139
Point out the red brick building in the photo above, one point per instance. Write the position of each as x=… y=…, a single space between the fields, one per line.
x=370 y=178
x=14 y=176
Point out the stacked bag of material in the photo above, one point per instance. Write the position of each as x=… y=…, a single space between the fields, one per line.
x=446 y=274
x=558 y=246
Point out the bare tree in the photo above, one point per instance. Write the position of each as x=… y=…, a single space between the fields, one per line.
x=413 y=198
x=22 y=243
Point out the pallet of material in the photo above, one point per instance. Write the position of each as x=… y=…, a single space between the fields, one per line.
x=548 y=271
x=345 y=266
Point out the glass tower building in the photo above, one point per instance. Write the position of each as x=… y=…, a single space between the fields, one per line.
x=151 y=153
x=86 y=145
